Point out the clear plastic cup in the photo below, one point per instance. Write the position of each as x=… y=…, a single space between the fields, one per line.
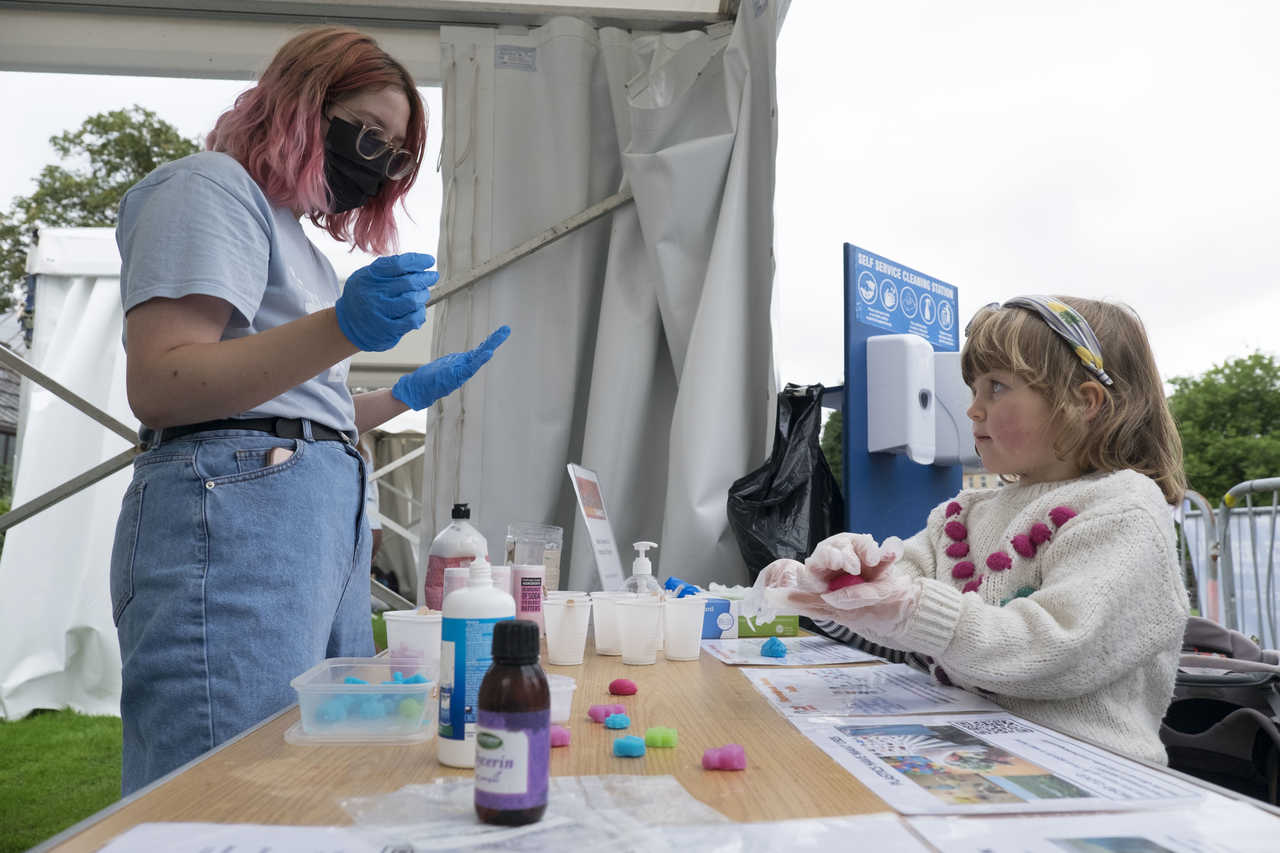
x=566 y=619
x=413 y=643
x=604 y=619
x=638 y=620
x=682 y=627
x=561 y=697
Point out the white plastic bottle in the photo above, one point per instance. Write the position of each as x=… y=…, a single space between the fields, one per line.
x=466 y=651
x=455 y=546
x=642 y=580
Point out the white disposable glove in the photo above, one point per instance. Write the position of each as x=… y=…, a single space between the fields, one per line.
x=866 y=595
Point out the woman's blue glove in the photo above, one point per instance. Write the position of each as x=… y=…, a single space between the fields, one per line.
x=446 y=374
x=383 y=301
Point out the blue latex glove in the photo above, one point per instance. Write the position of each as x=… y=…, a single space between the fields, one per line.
x=383 y=301
x=446 y=374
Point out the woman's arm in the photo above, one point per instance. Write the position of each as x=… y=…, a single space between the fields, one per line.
x=376 y=407
x=180 y=371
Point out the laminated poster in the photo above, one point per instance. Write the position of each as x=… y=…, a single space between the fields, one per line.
x=586 y=485
x=801 y=651
x=990 y=764
x=860 y=691
x=1216 y=825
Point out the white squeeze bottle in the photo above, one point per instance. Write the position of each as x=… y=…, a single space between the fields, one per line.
x=453 y=548
x=642 y=580
x=466 y=652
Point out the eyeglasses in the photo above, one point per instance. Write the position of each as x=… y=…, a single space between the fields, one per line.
x=372 y=143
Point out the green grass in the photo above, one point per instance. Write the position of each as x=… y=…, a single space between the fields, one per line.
x=56 y=768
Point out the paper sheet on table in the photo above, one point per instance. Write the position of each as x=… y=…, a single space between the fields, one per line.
x=801 y=651
x=241 y=838
x=988 y=764
x=1216 y=825
x=860 y=691
x=874 y=832
x=882 y=831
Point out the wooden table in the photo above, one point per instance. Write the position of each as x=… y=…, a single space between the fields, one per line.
x=261 y=779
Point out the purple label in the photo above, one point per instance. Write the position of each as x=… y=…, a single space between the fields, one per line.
x=513 y=754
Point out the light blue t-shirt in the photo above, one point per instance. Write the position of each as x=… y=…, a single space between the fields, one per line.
x=202 y=225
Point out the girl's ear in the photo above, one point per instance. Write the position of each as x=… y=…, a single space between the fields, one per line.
x=1091 y=397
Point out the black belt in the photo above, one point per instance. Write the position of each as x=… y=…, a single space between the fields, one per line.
x=281 y=427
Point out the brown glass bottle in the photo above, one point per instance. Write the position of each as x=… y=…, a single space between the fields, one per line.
x=513 y=730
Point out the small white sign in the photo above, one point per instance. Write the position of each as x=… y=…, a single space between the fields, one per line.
x=586 y=485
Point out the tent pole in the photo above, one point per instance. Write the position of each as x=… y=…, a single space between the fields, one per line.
x=67 y=489
x=453 y=285
x=20 y=365
x=394 y=600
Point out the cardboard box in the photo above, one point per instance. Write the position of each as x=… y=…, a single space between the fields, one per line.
x=720 y=619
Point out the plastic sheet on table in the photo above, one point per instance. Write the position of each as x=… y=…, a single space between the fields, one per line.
x=583 y=812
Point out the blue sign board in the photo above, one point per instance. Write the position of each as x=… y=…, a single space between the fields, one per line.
x=886 y=494
x=898 y=299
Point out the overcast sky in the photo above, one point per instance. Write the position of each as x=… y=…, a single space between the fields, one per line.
x=1123 y=150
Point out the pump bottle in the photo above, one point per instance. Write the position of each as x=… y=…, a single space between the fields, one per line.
x=642 y=580
x=466 y=651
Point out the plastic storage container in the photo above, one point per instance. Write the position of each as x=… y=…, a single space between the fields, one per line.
x=381 y=710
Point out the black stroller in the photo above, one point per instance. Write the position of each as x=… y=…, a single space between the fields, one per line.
x=1222 y=723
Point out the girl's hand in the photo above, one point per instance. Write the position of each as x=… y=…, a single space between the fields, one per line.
x=881 y=606
x=852 y=554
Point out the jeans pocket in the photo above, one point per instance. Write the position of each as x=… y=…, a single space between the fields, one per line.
x=254 y=459
x=124 y=547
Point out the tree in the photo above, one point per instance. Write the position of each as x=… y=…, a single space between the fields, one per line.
x=1229 y=420
x=106 y=155
x=832 y=444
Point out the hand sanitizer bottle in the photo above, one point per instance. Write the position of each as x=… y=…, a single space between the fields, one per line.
x=642 y=580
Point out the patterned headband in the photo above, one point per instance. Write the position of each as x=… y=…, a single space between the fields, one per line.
x=1069 y=325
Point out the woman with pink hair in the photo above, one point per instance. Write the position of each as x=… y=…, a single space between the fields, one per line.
x=242 y=548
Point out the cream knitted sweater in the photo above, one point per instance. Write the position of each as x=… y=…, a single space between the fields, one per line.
x=1063 y=602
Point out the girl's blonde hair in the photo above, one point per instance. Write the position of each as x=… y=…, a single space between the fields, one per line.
x=1133 y=429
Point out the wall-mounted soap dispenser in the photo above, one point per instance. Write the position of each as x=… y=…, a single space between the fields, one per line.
x=900 y=397
x=953 y=429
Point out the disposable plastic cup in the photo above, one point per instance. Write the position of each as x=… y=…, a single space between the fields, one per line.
x=413 y=643
x=566 y=620
x=682 y=624
x=561 y=697
x=604 y=619
x=567 y=593
x=501 y=578
x=638 y=620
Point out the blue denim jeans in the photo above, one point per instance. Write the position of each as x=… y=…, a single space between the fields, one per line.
x=229 y=577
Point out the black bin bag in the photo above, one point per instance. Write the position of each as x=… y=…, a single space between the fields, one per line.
x=791 y=503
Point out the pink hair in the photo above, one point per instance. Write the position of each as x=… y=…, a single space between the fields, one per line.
x=276 y=129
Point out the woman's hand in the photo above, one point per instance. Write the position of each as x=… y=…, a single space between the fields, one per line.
x=382 y=302
x=446 y=374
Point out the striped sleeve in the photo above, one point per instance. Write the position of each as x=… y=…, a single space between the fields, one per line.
x=848 y=636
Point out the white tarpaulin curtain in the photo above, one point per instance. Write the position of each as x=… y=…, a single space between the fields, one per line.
x=59 y=646
x=641 y=345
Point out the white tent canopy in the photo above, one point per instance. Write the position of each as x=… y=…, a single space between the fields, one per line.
x=641 y=345
x=232 y=39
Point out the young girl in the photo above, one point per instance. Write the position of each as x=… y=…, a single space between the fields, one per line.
x=241 y=553
x=1057 y=595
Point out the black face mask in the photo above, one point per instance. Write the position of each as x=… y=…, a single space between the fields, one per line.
x=352 y=179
